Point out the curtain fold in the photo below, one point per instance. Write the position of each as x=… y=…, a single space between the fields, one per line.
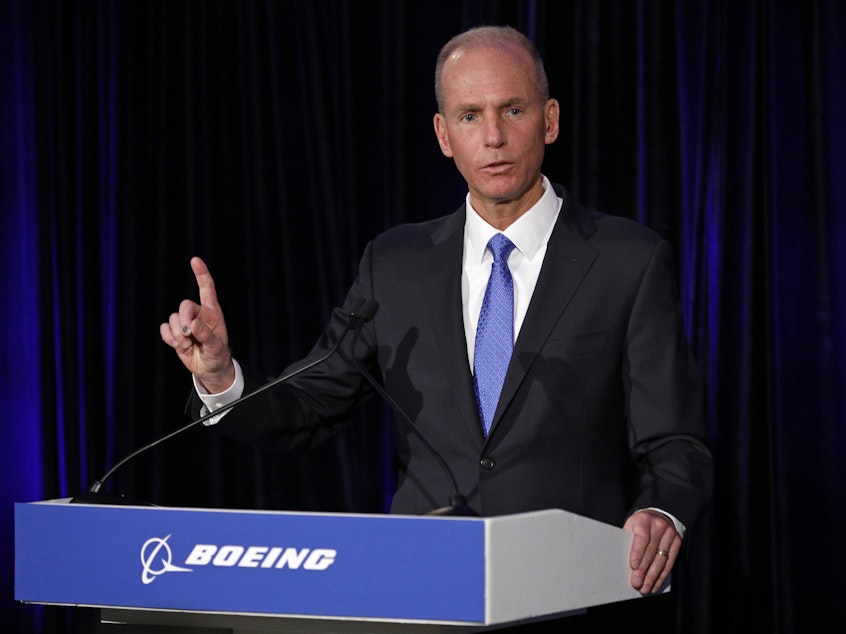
x=275 y=138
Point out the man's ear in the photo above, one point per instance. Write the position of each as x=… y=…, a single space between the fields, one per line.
x=441 y=133
x=551 y=113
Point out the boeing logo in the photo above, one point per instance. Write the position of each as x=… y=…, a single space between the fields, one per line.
x=156 y=558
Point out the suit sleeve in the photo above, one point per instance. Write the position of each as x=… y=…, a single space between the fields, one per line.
x=668 y=434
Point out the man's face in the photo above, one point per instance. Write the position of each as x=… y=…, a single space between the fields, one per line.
x=495 y=126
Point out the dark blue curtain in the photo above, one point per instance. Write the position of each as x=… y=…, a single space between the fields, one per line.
x=275 y=138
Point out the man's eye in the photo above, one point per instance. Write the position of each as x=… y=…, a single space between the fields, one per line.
x=469 y=117
x=515 y=111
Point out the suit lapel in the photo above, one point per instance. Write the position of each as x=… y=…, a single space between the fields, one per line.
x=568 y=259
x=441 y=265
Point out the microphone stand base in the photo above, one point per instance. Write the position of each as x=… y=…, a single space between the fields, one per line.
x=110 y=499
x=459 y=510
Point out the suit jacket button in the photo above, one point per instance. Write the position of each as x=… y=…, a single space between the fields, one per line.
x=487 y=464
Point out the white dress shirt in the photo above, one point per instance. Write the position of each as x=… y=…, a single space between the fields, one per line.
x=530 y=235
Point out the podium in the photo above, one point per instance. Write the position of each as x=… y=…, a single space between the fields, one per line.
x=244 y=572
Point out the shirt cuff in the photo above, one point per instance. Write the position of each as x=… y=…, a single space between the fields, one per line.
x=680 y=528
x=212 y=402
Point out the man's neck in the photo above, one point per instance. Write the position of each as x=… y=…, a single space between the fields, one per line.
x=502 y=214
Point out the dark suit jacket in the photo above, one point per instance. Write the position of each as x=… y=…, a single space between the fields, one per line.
x=601 y=412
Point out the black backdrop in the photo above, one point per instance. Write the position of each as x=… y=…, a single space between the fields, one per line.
x=275 y=138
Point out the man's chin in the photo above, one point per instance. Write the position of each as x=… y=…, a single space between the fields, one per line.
x=503 y=193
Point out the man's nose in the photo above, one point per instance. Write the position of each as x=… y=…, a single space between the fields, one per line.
x=494 y=133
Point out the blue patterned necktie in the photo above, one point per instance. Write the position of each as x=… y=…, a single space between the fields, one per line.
x=495 y=333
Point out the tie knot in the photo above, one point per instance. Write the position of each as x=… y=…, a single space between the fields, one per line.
x=500 y=246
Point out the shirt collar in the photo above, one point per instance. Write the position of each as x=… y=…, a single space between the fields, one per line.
x=527 y=232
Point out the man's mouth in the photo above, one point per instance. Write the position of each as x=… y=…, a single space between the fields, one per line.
x=496 y=167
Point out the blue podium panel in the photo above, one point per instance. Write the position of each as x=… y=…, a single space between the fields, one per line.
x=245 y=562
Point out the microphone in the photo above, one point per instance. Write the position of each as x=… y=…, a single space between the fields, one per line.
x=357 y=317
x=457 y=503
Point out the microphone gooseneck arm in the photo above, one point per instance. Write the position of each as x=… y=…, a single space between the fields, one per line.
x=357 y=317
x=457 y=503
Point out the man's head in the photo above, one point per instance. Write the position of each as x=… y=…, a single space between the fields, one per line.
x=490 y=36
x=495 y=118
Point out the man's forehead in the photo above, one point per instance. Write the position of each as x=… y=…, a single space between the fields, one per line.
x=506 y=48
x=467 y=79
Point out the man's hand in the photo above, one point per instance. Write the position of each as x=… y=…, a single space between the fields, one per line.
x=655 y=546
x=198 y=334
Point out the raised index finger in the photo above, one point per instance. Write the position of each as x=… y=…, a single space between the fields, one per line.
x=208 y=294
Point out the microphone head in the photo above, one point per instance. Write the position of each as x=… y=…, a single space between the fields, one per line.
x=363 y=313
x=366 y=310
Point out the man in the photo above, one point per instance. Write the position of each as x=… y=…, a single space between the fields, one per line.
x=598 y=408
